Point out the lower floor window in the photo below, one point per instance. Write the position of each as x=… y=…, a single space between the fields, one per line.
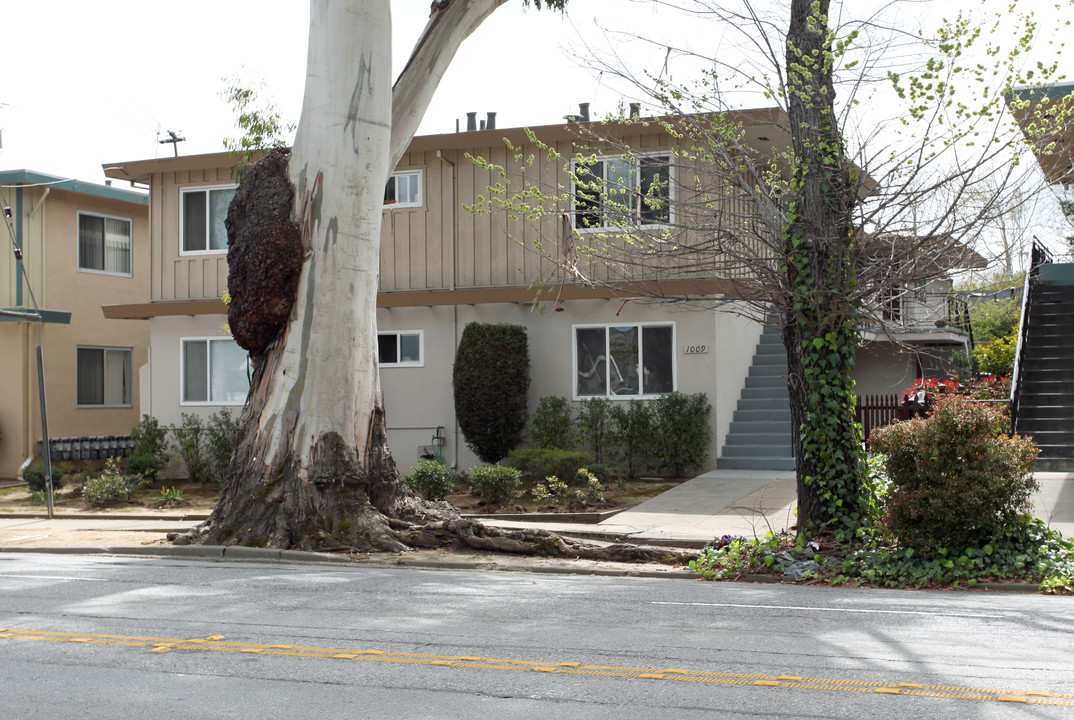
x=399 y=348
x=215 y=371
x=627 y=360
x=104 y=376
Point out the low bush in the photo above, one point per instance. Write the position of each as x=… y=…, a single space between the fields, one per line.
x=432 y=480
x=596 y=425
x=495 y=484
x=632 y=440
x=682 y=433
x=552 y=423
x=206 y=448
x=35 y=478
x=538 y=463
x=112 y=485
x=997 y=357
x=221 y=432
x=150 y=453
x=553 y=490
x=955 y=477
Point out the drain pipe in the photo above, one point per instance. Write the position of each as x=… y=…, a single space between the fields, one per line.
x=452 y=285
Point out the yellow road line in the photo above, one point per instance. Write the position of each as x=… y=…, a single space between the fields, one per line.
x=218 y=643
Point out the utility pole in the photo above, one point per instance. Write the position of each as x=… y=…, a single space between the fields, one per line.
x=174 y=140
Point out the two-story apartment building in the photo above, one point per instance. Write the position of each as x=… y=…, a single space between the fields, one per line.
x=83 y=246
x=442 y=265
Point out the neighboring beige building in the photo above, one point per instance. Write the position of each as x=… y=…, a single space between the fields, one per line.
x=443 y=266
x=83 y=246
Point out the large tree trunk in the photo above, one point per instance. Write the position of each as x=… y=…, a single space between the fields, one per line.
x=819 y=317
x=311 y=468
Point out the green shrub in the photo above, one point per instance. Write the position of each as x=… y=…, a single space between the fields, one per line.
x=110 y=486
x=221 y=432
x=538 y=463
x=432 y=480
x=150 y=440
x=491 y=379
x=995 y=319
x=553 y=490
x=145 y=465
x=552 y=423
x=632 y=439
x=190 y=441
x=596 y=425
x=997 y=357
x=495 y=484
x=35 y=478
x=955 y=477
x=682 y=433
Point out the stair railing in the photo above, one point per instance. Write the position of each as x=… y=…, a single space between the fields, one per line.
x=1038 y=256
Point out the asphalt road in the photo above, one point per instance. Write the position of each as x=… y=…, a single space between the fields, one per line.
x=100 y=637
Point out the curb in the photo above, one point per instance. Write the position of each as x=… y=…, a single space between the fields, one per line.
x=101 y=516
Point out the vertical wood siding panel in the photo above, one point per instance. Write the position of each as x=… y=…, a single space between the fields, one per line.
x=387 y=252
x=466 y=223
x=497 y=223
x=403 y=232
x=434 y=234
x=482 y=226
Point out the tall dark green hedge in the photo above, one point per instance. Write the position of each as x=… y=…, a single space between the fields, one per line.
x=491 y=378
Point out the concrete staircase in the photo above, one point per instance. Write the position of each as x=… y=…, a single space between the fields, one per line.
x=1046 y=399
x=760 y=434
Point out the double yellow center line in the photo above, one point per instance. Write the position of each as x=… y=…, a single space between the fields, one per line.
x=217 y=643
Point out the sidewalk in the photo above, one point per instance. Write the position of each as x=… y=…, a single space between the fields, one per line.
x=720 y=502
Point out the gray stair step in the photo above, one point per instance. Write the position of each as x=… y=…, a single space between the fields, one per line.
x=766 y=381
x=758 y=451
x=761 y=415
x=755 y=463
x=761 y=427
x=776 y=403
x=760 y=438
x=1054 y=465
x=756 y=393
x=1034 y=363
x=769 y=371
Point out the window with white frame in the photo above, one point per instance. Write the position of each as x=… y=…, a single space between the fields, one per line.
x=104 y=244
x=202 y=219
x=613 y=192
x=630 y=360
x=103 y=376
x=403 y=190
x=400 y=348
x=215 y=371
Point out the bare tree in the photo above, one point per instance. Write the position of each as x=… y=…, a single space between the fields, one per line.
x=840 y=205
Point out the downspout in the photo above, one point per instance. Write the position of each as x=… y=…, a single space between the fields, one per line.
x=454 y=306
x=18 y=270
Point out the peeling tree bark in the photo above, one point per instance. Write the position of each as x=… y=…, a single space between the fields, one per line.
x=311 y=468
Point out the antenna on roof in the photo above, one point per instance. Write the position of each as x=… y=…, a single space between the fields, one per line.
x=174 y=140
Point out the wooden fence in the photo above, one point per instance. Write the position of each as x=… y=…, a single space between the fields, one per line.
x=876 y=411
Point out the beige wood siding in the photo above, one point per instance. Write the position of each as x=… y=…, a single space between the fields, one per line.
x=175 y=276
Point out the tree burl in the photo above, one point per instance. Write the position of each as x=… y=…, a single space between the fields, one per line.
x=264 y=253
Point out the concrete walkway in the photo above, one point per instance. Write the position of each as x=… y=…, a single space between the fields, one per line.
x=721 y=502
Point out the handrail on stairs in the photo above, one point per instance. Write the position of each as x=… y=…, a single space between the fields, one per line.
x=1038 y=256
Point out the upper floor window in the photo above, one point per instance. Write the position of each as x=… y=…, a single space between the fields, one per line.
x=401 y=348
x=215 y=371
x=103 y=376
x=614 y=192
x=403 y=190
x=104 y=244
x=624 y=360
x=202 y=218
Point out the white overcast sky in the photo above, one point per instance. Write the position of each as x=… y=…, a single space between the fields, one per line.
x=88 y=82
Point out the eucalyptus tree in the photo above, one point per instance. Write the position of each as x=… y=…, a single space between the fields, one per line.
x=311 y=466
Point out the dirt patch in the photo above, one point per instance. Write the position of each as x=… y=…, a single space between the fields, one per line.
x=196 y=499
x=616 y=498
x=201 y=499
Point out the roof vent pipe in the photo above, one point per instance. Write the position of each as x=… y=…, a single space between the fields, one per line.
x=471 y=121
x=583 y=111
x=490 y=124
x=482 y=124
x=635 y=111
